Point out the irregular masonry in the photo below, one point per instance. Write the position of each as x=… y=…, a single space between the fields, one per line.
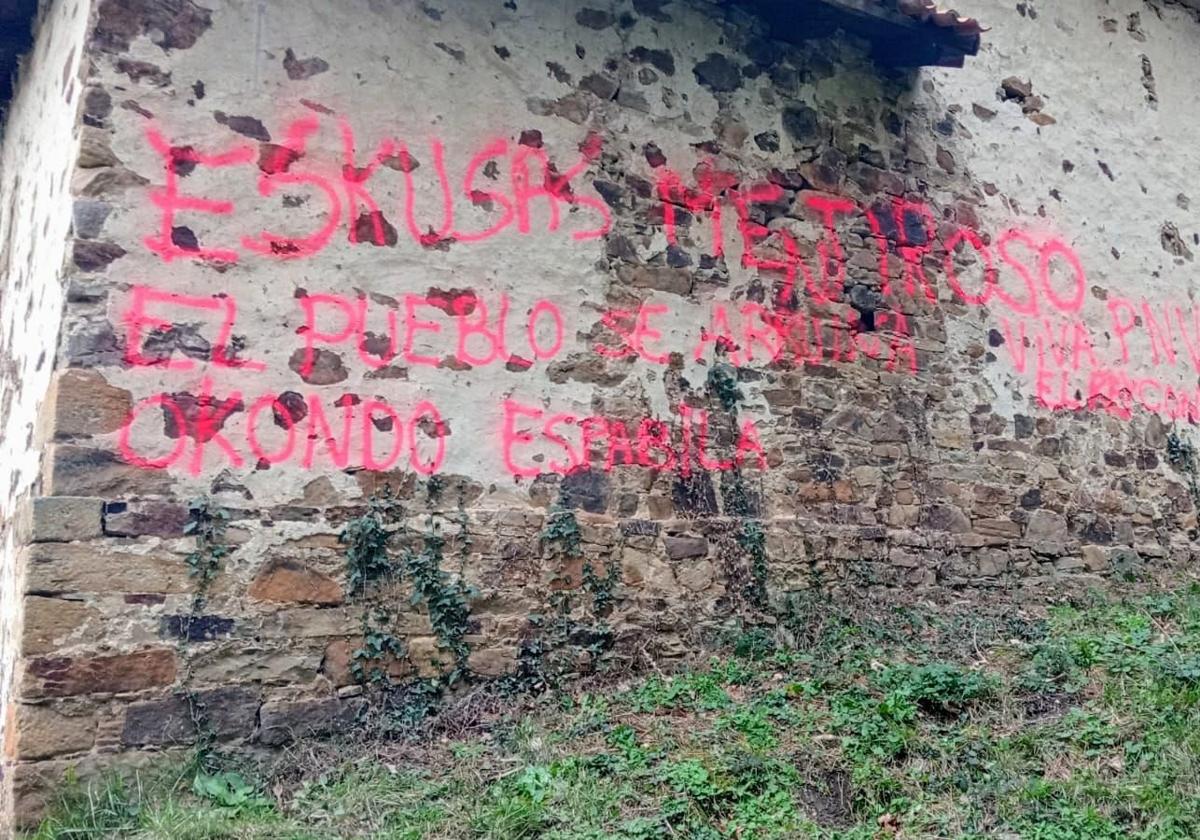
x=765 y=317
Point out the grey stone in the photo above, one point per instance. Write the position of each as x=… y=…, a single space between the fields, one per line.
x=678 y=548
x=946 y=518
x=1046 y=526
x=281 y=722
x=228 y=712
x=89 y=217
x=718 y=73
x=66 y=518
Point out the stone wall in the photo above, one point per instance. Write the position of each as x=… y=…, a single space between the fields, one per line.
x=35 y=219
x=630 y=318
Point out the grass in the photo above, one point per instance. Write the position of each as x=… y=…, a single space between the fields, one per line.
x=1085 y=726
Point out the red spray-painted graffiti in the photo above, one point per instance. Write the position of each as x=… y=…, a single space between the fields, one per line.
x=1033 y=285
x=349 y=201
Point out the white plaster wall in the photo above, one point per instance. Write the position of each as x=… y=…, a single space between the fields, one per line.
x=1091 y=81
x=392 y=73
x=39 y=141
x=469 y=73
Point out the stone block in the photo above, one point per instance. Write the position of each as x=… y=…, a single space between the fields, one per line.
x=49 y=622
x=85 y=404
x=695 y=577
x=289 y=581
x=149 y=518
x=229 y=712
x=678 y=548
x=89 y=215
x=493 y=662
x=280 y=664
x=646 y=571
x=44 y=732
x=1069 y=564
x=567 y=573
x=944 y=517
x=338 y=659
x=429 y=657
x=66 y=518
x=1095 y=558
x=315 y=622
x=194 y=628
x=85 y=471
x=281 y=722
x=60 y=676
x=98 y=567
x=93 y=255
x=1046 y=526
x=94 y=149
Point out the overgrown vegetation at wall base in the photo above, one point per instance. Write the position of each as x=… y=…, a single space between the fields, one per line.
x=828 y=724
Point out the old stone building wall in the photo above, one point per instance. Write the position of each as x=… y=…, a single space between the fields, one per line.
x=628 y=317
x=35 y=219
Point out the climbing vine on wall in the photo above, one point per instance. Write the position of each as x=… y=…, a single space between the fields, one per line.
x=374 y=557
x=753 y=541
x=738 y=502
x=444 y=597
x=366 y=540
x=207 y=525
x=368 y=664
x=722 y=383
x=1181 y=454
x=572 y=634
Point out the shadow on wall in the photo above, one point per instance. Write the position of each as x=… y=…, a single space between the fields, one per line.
x=16 y=38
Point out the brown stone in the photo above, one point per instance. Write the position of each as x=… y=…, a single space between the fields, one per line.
x=1015 y=88
x=1095 y=558
x=66 y=518
x=59 y=676
x=677 y=281
x=695 y=576
x=95 y=255
x=945 y=159
x=94 y=149
x=49 y=621
x=991 y=564
x=1069 y=564
x=283 y=721
x=429 y=657
x=493 y=662
x=568 y=575
x=290 y=581
x=291 y=663
x=339 y=659
x=339 y=656
x=43 y=732
x=96 y=567
x=1003 y=528
x=85 y=404
x=317 y=622
x=325 y=368
x=320 y=492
